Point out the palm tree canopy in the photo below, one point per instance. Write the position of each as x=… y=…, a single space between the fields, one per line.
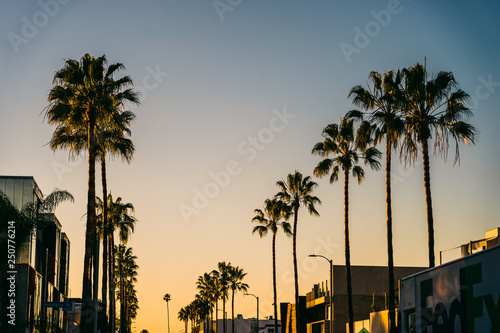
x=296 y=191
x=166 y=298
x=383 y=98
x=434 y=108
x=347 y=149
x=83 y=90
x=276 y=212
x=236 y=275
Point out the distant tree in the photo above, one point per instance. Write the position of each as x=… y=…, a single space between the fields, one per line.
x=166 y=298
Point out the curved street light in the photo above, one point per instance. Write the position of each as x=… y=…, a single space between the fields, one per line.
x=257 y=309
x=331 y=287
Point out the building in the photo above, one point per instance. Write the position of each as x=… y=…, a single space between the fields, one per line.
x=242 y=325
x=42 y=266
x=369 y=291
x=462 y=295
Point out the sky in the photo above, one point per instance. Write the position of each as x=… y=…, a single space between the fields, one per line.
x=234 y=95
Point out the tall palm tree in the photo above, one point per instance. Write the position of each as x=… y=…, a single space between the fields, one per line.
x=342 y=142
x=85 y=93
x=113 y=142
x=296 y=191
x=223 y=276
x=434 y=109
x=383 y=102
x=110 y=140
x=166 y=298
x=275 y=213
x=120 y=216
x=236 y=275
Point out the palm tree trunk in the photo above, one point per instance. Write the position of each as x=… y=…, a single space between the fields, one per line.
x=232 y=311
x=104 y=234
x=348 y=252
x=224 y=313
x=112 y=287
x=90 y=232
x=390 y=264
x=428 y=201
x=216 y=316
x=295 y=270
x=168 y=319
x=274 y=287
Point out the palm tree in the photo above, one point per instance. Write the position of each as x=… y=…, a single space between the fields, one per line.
x=119 y=216
x=217 y=288
x=296 y=191
x=275 y=213
x=209 y=288
x=342 y=142
x=166 y=298
x=84 y=94
x=110 y=139
x=223 y=276
x=432 y=108
x=184 y=316
x=114 y=142
x=236 y=275
x=382 y=100
x=126 y=271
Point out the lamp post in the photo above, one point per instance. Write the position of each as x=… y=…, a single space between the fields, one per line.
x=331 y=286
x=257 y=310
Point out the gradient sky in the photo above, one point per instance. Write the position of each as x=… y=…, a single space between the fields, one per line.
x=213 y=81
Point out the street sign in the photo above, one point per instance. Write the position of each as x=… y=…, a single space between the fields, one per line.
x=66 y=306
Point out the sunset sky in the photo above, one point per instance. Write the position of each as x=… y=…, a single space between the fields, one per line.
x=234 y=95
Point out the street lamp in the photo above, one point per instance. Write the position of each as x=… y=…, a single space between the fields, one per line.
x=331 y=286
x=257 y=309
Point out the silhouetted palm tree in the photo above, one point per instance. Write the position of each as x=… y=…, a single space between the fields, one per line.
x=235 y=282
x=382 y=100
x=166 y=298
x=223 y=276
x=184 y=316
x=433 y=111
x=275 y=213
x=120 y=216
x=296 y=191
x=84 y=94
x=126 y=271
x=341 y=142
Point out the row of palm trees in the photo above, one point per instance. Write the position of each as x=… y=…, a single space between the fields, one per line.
x=406 y=109
x=126 y=272
x=87 y=106
x=212 y=287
